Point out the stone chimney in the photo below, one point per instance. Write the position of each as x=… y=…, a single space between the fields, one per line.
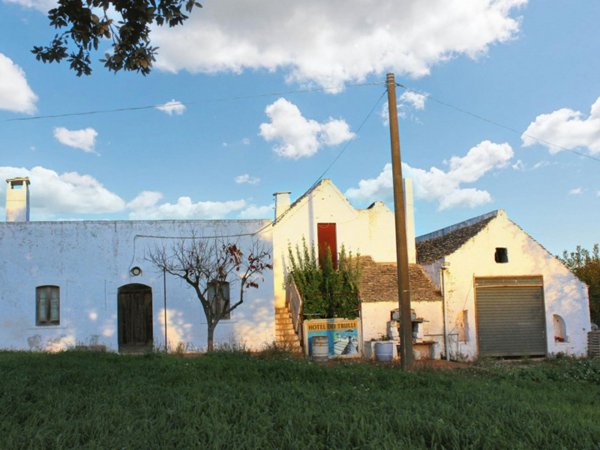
x=282 y=203
x=17 y=200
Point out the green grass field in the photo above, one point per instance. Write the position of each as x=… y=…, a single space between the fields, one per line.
x=236 y=400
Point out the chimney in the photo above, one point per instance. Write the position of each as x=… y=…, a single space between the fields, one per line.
x=282 y=203
x=17 y=200
x=410 y=221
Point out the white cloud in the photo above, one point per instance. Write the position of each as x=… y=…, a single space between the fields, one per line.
x=409 y=101
x=83 y=139
x=333 y=42
x=53 y=194
x=257 y=212
x=297 y=136
x=414 y=99
x=565 y=129
x=146 y=206
x=519 y=165
x=41 y=5
x=246 y=179
x=144 y=200
x=576 y=191
x=15 y=93
x=246 y=141
x=172 y=107
x=444 y=187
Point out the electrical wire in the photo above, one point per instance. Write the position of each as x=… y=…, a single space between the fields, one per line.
x=285 y=213
x=343 y=150
x=213 y=100
x=495 y=123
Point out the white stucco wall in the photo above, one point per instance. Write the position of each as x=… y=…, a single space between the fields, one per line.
x=564 y=294
x=89 y=261
x=375 y=316
x=365 y=231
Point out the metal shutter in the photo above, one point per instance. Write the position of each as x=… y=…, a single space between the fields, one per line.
x=510 y=316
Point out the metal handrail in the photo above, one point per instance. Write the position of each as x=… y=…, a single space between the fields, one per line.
x=295 y=304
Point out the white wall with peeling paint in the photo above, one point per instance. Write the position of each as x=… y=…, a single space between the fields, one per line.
x=564 y=294
x=90 y=260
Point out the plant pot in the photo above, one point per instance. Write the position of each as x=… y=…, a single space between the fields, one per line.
x=384 y=350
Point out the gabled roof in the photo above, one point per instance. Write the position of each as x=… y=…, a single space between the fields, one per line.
x=379 y=282
x=325 y=182
x=434 y=246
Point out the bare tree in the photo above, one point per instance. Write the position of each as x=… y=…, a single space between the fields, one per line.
x=214 y=267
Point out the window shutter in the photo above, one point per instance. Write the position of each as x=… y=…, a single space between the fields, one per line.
x=54 y=305
x=42 y=306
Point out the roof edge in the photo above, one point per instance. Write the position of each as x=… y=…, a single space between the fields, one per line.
x=457 y=226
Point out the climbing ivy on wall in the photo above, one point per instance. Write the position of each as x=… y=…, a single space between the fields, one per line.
x=327 y=291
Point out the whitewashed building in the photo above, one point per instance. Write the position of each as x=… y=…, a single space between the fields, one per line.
x=89 y=283
x=480 y=288
x=504 y=294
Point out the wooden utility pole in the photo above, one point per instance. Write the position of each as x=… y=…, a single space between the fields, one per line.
x=407 y=358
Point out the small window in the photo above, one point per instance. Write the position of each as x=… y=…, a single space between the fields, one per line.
x=218 y=297
x=560 y=328
x=47 y=300
x=501 y=255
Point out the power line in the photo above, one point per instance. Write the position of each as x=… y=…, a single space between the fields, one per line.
x=343 y=150
x=495 y=123
x=213 y=100
x=270 y=223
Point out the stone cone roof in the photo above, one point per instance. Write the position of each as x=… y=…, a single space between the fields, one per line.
x=436 y=245
x=379 y=282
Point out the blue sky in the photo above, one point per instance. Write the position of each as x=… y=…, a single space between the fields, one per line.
x=251 y=98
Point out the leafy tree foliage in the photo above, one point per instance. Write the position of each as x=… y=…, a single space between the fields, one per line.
x=327 y=291
x=585 y=265
x=213 y=267
x=83 y=24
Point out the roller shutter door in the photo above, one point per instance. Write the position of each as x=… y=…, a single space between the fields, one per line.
x=510 y=316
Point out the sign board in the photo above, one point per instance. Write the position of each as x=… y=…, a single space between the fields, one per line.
x=343 y=336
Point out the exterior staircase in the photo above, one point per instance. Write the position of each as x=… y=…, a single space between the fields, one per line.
x=285 y=336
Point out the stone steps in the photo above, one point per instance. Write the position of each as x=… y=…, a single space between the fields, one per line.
x=285 y=336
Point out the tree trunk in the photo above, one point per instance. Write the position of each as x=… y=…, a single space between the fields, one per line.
x=210 y=344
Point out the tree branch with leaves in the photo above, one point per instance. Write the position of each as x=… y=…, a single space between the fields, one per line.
x=213 y=267
x=585 y=264
x=83 y=24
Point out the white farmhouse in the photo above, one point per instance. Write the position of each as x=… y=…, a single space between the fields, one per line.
x=483 y=287
x=89 y=283
x=479 y=288
x=504 y=294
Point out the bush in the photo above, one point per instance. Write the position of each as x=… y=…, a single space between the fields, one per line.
x=327 y=291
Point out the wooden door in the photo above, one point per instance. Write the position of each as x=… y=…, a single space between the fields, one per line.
x=327 y=242
x=135 y=317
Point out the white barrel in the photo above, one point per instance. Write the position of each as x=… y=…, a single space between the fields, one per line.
x=384 y=350
x=320 y=348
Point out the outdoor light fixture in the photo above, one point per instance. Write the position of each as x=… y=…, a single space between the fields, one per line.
x=135 y=271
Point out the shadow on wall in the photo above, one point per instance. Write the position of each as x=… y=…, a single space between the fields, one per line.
x=179 y=331
x=563 y=291
x=65 y=337
x=254 y=324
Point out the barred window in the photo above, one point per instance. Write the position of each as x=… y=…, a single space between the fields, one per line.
x=47 y=300
x=218 y=297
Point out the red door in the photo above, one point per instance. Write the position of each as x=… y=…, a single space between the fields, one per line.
x=327 y=239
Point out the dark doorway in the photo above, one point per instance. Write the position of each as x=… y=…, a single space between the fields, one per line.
x=327 y=242
x=135 y=318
